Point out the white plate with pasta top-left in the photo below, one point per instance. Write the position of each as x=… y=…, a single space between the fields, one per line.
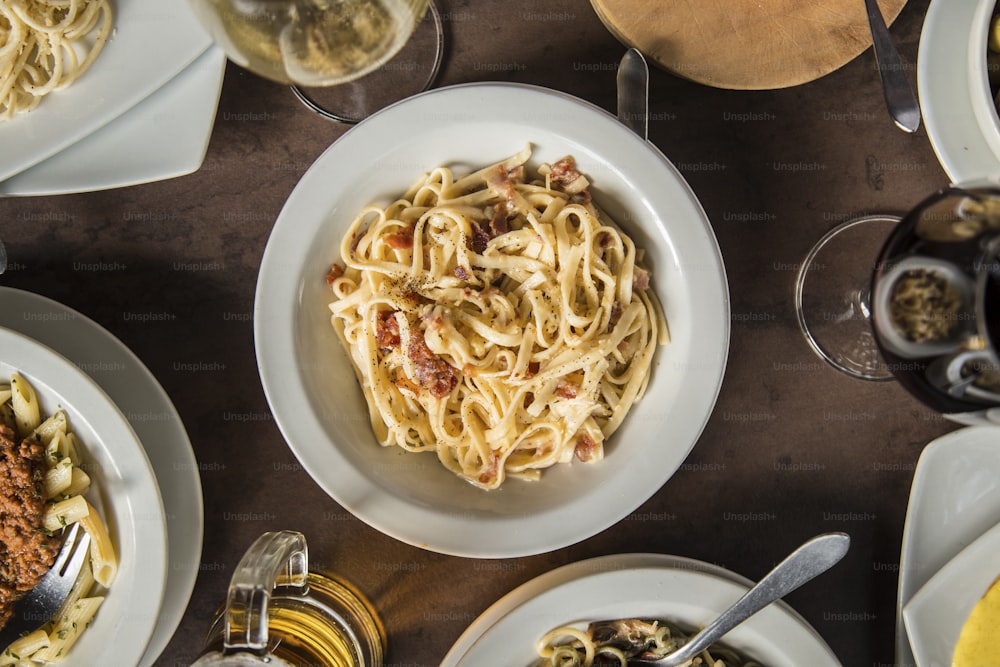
x=150 y=43
x=123 y=490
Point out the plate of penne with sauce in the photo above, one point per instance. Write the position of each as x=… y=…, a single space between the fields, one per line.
x=69 y=456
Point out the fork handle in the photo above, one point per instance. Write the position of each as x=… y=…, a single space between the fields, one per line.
x=811 y=559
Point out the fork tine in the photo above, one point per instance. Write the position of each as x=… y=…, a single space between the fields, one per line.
x=49 y=594
x=67 y=548
x=79 y=552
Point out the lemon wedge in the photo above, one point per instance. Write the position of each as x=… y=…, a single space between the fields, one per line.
x=979 y=642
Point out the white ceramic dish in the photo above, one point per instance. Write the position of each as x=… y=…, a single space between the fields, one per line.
x=310 y=384
x=980 y=97
x=163 y=136
x=124 y=492
x=950 y=73
x=634 y=585
x=151 y=43
x=153 y=418
x=935 y=615
x=955 y=498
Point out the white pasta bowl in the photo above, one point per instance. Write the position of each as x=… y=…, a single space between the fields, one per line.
x=955 y=97
x=123 y=491
x=983 y=104
x=311 y=386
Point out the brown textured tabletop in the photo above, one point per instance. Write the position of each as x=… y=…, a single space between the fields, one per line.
x=793 y=448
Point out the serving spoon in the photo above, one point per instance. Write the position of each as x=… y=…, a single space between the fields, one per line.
x=811 y=559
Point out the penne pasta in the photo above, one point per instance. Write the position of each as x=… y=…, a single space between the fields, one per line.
x=58 y=478
x=24 y=401
x=62 y=447
x=54 y=425
x=79 y=482
x=73 y=448
x=23 y=647
x=67 y=628
x=63 y=484
x=64 y=512
x=103 y=560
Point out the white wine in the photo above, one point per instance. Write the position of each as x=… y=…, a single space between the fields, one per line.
x=310 y=42
x=332 y=626
x=302 y=634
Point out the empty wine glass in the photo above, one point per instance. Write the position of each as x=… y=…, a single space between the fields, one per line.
x=833 y=296
x=924 y=310
x=317 y=44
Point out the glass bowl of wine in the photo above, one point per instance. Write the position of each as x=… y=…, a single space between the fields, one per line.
x=310 y=42
x=323 y=44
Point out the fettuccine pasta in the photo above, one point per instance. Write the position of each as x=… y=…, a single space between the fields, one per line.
x=46 y=45
x=504 y=323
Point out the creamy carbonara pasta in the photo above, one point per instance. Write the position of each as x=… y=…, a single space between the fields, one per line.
x=46 y=45
x=613 y=643
x=500 y=320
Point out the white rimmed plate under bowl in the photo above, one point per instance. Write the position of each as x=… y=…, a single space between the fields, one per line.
x=150 y=43
x=123 y=490
x=155 y=420
x=309 y=381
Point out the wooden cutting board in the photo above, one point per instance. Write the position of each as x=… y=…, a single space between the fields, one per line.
x=745 y=44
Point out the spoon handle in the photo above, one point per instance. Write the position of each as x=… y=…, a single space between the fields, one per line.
x=811 y=559
x=899 y=96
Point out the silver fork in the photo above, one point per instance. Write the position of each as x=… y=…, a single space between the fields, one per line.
x=43 y=601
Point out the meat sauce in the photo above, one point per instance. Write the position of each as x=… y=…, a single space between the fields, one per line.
x=26 y=550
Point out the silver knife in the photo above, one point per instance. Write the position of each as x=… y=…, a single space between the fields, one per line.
x=633 y=92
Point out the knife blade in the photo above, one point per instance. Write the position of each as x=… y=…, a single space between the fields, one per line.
x=633 y=92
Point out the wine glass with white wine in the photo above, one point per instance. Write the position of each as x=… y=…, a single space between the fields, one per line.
x=317 y=44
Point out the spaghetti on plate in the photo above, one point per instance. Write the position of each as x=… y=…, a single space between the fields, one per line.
x=500 y=320
x=46 y=45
